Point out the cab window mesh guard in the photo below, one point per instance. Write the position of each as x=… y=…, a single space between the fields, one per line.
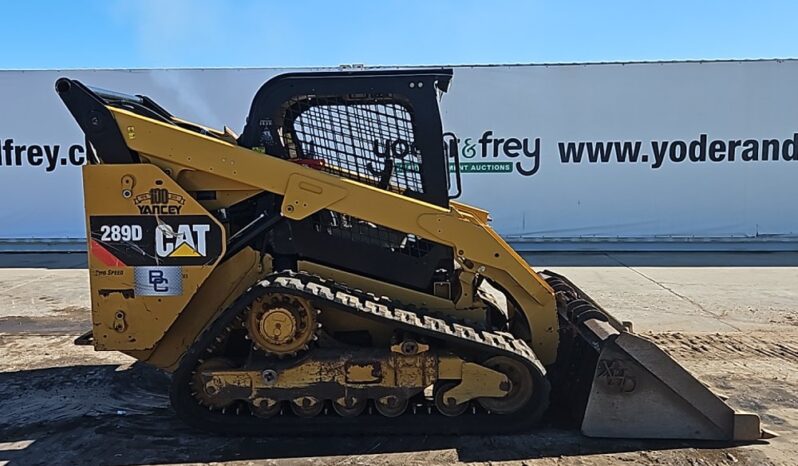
x=370 y=142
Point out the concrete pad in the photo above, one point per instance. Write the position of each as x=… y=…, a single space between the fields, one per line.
x=654 y=298
x=694 y=292
x=628 y=295
x=42 y=292
x=743 y=297
x=662 y=259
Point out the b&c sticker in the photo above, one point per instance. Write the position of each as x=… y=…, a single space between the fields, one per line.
x=158 y=281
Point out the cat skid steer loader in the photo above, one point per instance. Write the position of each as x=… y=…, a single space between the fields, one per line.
x=315 y=276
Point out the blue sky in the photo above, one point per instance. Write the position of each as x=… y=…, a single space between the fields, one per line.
x=247 y=33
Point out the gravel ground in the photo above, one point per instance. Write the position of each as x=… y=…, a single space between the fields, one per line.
x=735 y=327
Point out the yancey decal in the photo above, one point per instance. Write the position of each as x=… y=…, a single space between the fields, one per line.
x=164 y=240
x=158 y=281
x=159 y=201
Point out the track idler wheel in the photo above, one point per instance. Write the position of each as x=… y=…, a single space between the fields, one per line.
x=447 y=406
x=520 y=391
x=207 y=394
x=391 y=405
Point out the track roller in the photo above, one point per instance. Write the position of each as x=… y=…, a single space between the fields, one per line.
x=266 y=407
x=447 y=406
x=307 y=406
x=349 y=406
x=391 y=405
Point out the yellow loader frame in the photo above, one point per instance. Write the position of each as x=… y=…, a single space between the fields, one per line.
x=182 y=160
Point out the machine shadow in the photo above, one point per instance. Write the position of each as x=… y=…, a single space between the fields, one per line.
x=105 y=414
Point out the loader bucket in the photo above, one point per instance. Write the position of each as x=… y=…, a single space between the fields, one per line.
x=624 y=386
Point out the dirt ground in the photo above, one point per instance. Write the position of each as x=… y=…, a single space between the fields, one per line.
x=732 y=320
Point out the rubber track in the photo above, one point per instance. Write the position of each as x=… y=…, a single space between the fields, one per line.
x=328 y=294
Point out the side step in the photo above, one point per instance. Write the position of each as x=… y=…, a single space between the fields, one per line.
x=637 y=390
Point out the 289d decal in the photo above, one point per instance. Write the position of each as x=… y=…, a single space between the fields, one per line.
x=121 y=233
x=176 y=240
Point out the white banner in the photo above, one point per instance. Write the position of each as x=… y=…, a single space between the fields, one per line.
x=635 y=151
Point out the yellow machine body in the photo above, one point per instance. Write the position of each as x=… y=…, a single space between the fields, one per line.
x=256 y=347
x=202 y=163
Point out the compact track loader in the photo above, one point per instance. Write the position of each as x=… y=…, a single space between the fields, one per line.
x=315 y=276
